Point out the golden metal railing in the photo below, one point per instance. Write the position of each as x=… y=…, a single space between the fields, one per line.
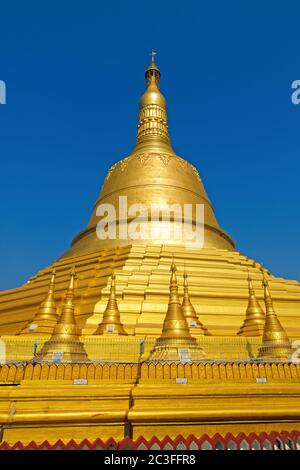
x=131 y=349
x=120 y=349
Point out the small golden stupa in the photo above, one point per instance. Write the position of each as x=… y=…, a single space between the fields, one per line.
x=175 y=342
x=64 y=344
x=111 y=322
x=254 y=322
x=276 y=344
x=190 y=314
x=46 y=317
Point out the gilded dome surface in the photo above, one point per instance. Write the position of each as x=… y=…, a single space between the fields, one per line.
x=153 y=96
x=152 y=175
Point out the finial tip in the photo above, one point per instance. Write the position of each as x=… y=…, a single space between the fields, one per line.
x=73 y=271
x=265 y=282
x=153 y=54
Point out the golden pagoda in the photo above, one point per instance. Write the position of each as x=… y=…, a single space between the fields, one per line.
x=218 y=269
x=46 y=317
x=64 y=344
x=111 y=322
x=175 y=341
x=221 y=383
x=254 y=322
x=276 y=344
x=189 y=312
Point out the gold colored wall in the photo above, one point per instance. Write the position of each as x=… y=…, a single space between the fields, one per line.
x=43 y=402
x=217 y=281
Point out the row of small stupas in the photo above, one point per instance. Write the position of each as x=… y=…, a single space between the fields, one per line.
x=180 y=320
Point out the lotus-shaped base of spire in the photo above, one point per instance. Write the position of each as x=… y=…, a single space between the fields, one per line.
x=176 y=349
x=62 y=350
x=279 y=350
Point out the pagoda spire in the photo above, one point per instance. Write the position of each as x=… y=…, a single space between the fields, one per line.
x=153 y=120
x=175 y=342
x=175 y=325
x=275 y=342
x=65 y=340
x=111 y=322
x=190 y=314
x=46 y=317
x=153 y=54
x=255 y=317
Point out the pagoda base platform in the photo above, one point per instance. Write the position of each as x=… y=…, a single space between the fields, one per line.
x=218 y=286
x=210 y=409
x=89 y=401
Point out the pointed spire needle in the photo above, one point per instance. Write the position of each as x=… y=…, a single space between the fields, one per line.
x=153 y=54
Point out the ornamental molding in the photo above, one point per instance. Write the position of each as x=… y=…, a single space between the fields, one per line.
x=143 y=159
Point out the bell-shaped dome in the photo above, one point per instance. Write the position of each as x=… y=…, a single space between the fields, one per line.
x=153 y=175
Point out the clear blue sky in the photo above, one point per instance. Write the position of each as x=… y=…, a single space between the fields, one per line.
x=74 y=74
